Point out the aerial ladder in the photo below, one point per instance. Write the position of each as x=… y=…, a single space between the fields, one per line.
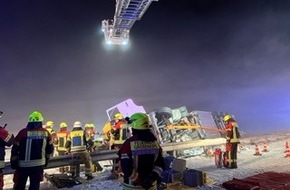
x=127 y=12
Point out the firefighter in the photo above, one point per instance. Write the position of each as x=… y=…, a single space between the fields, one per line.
x=115 y=132
x=232 y=141
x=140 y=156
x=107 y=133
x=61 y=139
x=30 y=153
x=49 y=126
x=77 y=145
x=6 y=139
x=90 y=134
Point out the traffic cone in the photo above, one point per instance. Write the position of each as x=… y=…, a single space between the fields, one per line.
x=257 y=153
x=286 y=146
x=265 y=146
x=287 y=150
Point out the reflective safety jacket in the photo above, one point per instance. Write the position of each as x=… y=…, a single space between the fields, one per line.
x=6 y=139
x=50 y=130
x=232 y=132
x=139 y=156
x=77 y=140
x=33 y=146
x=106 y=130
x=61 y=139
x=119 y=125
x=53 y=134
x=90 y=133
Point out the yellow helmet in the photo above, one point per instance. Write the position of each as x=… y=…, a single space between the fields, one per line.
x=49 y=124
x=63 y=125
x=92 y=125
x=35 y=117
x=227 y=117
x=87 y=125
x=118 y=116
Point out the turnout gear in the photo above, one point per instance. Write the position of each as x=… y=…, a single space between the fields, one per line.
x=116 y=134
x=31 y=152
x=232 y=141
x=61 y=139
x=77 y=144
x=90 y=136
x=49 y=127
x=140 y=157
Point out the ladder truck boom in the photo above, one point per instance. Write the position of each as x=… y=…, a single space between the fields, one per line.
x=127 y=12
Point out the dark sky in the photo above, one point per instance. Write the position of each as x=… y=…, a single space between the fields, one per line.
x=208 y=55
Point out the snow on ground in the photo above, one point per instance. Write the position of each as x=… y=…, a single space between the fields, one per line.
x=248 y=165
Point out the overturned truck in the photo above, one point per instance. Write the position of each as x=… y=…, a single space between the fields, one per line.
x=177 y=126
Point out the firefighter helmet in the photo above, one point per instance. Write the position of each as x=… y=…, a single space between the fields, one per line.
x=49 y=124
x=227 y=117
x=77 y=124
x=35 y=117
x=139 y=121
x=63 y=125
x=118 y=116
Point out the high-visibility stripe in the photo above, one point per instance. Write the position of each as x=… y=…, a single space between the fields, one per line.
x=2 y=164
x=8 y=137
x=32 y=136
x=124 y=156
x=62 y=139
x=235 y=138
x=28 y=149
x=31 y=163
x=158 y=170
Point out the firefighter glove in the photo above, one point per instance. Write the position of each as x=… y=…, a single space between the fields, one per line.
x=148 y=182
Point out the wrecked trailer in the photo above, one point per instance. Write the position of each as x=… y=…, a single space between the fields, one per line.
x=178 y=125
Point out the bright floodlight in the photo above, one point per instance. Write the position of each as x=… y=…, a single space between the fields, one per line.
x=125 y=42
x=126 y=13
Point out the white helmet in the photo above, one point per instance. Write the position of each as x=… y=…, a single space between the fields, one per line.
x=77 y=124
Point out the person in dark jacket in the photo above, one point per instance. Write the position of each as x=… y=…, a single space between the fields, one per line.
x=232 y=141
x=140 y=156
x=30 y=153
x=6 y=139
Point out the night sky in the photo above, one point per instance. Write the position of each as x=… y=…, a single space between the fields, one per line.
x=207 y=55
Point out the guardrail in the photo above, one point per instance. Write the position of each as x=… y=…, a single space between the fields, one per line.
x=59 y=161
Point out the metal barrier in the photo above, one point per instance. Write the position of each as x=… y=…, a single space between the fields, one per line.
x=59 y=161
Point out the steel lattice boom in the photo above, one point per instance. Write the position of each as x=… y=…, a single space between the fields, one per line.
x=117 y=31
